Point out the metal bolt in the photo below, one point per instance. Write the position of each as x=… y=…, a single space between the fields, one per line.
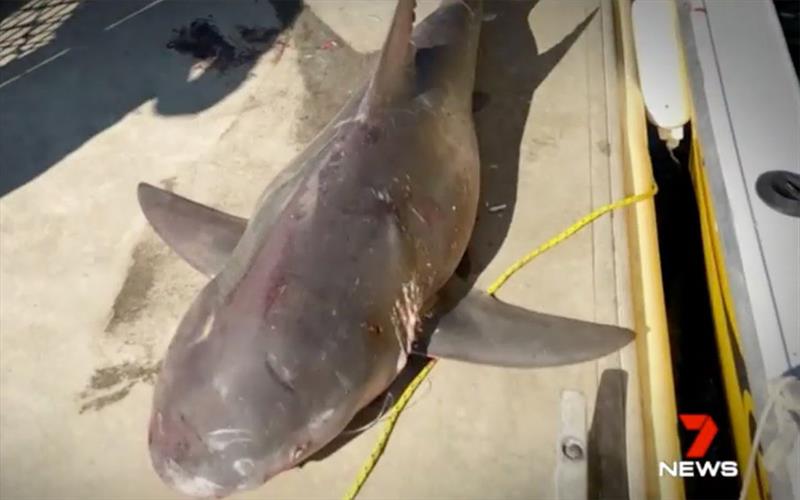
x=572 y=448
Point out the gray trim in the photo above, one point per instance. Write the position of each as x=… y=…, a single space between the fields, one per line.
x=701 y=82
x=703 y=129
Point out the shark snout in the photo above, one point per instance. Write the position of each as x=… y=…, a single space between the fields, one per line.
x=199 y=465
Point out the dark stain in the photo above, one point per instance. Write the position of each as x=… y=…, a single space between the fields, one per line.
x=604 y=147
x=115 y=383
x=132 y=297
x=251 y=34
x=98 y=403
x=202 y=40
x=330 y=76
x=104 y=378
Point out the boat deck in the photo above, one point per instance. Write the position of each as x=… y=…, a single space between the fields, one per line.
x=90 y=296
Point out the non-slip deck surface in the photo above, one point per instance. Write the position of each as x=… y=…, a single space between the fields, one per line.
x=90 y=296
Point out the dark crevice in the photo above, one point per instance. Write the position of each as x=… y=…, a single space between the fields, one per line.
x=695 y=360
x=789 y=16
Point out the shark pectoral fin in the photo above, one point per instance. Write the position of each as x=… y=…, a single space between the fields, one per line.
x=482 y=329
x=202 y=236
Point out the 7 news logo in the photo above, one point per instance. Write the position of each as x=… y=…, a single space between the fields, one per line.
x=707 y=430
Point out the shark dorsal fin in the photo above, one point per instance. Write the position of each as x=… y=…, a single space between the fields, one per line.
x=204 y=237
x=394 y=75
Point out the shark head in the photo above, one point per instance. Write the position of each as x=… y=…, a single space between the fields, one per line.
x=226 y=415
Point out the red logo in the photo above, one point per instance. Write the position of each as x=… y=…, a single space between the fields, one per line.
x=707 y=430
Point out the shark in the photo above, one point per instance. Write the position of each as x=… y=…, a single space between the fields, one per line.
x=315 y=303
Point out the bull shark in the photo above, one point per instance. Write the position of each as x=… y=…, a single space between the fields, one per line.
x=316 y=302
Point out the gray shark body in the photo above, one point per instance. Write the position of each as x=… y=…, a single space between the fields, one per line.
x=315 y=303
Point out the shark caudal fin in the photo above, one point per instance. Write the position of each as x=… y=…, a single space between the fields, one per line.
x=204 y=237
x=394 y=76
x=482 y=329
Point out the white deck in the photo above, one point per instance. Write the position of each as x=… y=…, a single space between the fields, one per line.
x=86 y=285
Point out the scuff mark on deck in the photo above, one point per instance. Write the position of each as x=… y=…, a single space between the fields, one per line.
x=112 y=383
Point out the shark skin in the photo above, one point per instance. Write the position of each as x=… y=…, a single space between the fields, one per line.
x=315 y=303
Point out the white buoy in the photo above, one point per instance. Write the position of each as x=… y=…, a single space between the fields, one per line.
x=661 y=72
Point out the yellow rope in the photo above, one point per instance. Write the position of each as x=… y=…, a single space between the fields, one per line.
x=574 y=228
x=380 y=445
x=401 y=403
